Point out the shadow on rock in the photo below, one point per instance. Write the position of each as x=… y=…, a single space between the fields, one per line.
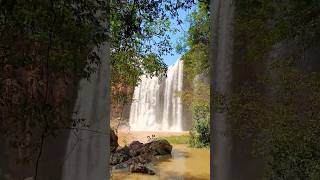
x=139 y=157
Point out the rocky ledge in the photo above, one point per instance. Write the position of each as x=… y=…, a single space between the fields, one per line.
x=138 y=157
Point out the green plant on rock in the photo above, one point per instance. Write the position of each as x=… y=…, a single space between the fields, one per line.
x=200 y=133
x=198 y=101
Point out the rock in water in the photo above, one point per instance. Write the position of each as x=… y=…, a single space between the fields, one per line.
x=137 y=156
x=160 y=147
x=142 y=168
x=157 y=147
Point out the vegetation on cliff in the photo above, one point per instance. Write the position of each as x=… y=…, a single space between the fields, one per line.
x=196 y=93
x=277 y=105
x=46 y=47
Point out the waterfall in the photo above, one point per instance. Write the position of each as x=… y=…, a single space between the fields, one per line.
x=222 y=52
x=86 y=155
x=155 y=105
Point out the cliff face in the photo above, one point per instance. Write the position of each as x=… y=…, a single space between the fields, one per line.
x=45 y=48
x=26 y=100
x=263 y=73
x=40 y=118
x=121 y=98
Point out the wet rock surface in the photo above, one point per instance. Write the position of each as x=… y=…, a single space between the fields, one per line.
x=138 y=157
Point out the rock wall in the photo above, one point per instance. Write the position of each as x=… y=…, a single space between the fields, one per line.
x=232 y=156
x=19 y=150
x=50 y=162
x=120 y=108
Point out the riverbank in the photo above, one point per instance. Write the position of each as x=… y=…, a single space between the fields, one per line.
x=184 y=162
x=125 y=136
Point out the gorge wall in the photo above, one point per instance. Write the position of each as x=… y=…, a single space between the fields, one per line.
x=244 y=66
x=71 y=151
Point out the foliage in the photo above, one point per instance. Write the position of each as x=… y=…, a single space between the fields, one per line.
x=195 y=46
x=197 y=92
x=198 y=101
x=278 y=108
x=139 y=38
x=45 y=47
x=285 y=129
x=261 y=24
x=200 y=133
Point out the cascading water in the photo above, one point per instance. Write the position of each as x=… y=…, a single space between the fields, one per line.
x=222 y=14
x=155 y=105
x=86 y=155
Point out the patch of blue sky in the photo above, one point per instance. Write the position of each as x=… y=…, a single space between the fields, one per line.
x=175 y=36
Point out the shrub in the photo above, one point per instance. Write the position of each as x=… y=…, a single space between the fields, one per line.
x=200 y=133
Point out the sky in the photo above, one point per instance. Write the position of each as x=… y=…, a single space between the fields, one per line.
x=174 y=37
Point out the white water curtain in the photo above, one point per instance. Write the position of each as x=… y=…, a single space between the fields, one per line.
x=222 y=18
x=155 y=105
x=87 y=150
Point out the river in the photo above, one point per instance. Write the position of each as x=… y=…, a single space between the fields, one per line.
x=185 y=162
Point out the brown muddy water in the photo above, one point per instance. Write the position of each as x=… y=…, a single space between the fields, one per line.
x=184 y=164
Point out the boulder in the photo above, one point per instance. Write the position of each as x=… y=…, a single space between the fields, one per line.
x=137 y=156
x=141 y=159
x=157 y=147
x=135 y=148
x=160 y=147
x=142 y=168
x=120 y=156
